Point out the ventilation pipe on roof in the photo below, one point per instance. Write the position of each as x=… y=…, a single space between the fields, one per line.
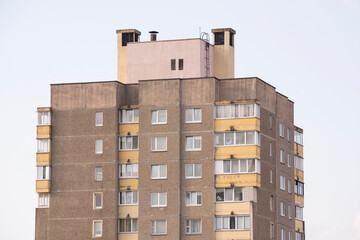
x=153 y=35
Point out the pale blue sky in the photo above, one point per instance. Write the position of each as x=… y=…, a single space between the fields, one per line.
x=309 y=50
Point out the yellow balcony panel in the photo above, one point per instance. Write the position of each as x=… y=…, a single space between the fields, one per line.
x=43 y=109
x=239 y=208
x=43 y=159
x=298 y=150
x=43 y=186
x=128 y=236
x=238 y=180
x=124 y=156
x=128 y=184
x=237 y=152
x=299 y=175
x=299 y=226
x=233 y=235
x=238 y=124
x=44 y=132
x=129 y=106
x=133 y=211
x=299 y=200
x=126 y=128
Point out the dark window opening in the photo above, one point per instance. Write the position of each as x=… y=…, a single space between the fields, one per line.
x=173 y=64
x=231 y=39
x=127 y=37
x=181 y=64
x=219 y=38
x=136 y=37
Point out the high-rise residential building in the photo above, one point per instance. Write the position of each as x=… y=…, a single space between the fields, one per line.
x=177 y=148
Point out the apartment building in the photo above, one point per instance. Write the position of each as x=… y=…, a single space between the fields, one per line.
x=176 y=148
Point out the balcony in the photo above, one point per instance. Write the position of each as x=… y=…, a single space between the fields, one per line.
x=238 y=180
x=238 y=152
x=237 y=124
x=43 y=186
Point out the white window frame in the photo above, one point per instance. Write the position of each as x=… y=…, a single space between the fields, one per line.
x=192 y=111
x=298 y=137
x=43 y=145
x=156 y=113
x=289 y=212
x=233 y=194
x=219 y=166
x=299 y=163
x=256 y=136
x=43 y=172
x=193 y=139
x=43 y=200
x=154 y=142
x=124 y=195
x=298 y=236
x=282 y=183
x=235 y=111
x=281 y=130
x=270 y=149
x=44 y=118
x=283 y=234
x=134 y=118
x=98 y=146
x=136 y=165
x=96 y=234
x=289 y=186
x=226 y=219
x=134 y=226
x=99 y=119
x=281 y=155
x=271 y=176
x=189 y=226
x=282 y=209
x=299 y=188
x=159 y=167
x=159 y=196
x=288 y=135
x=153 y=227
x=96 y=203
x=193 y=195
x=299 y=215
x=98 y=174
x=193 y=175
x=289 y=160
x=290 y=235
x=131 y=144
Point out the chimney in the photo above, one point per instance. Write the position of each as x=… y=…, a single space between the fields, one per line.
x=153 y=35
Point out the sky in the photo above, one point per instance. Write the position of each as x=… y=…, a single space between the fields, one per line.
x=309 y=50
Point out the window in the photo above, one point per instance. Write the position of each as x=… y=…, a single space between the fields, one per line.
x=229 y=195
x=289 y=211
x=281 y=129
x=193 y=226
x=98 y=146
x=43 y=172
x=128 y=225
x=129 y=115
x=43 y=145
x=271 y=176
x=270 y=122
x=272 y=230
x=272 y=203
x=98 y=174
x=298 y=236
x=289 y=186
x=219 y=38
x=270 y=149
x=159 y=117
x=283 y=234
x=288 y=135
x=282 y=182
x=193 y=115
x=129 y=143
x=243 y=110
x=299 y=188
x=232 y=222
x=299 y=163
x=282 y=209
x=181 y=64
x=282 y=160
x=173 y=64
x=43 y=201
x=44 y=118
x=237 y=166
x=158 y=144
x=237 y=138
x=290 y=235
x=298 y=137
x=98 y=119
x=193 y=199
x=289 y=160
x=128 y=170
x=231 y=40
x=98 y=197
x=193 y=143
x=158 y=199
x=158 y=171
x=97 y=228
x=158 y=227
x=128 y=197
x=299 y=213
x=193 y=170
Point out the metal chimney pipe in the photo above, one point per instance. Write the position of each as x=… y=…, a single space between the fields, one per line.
x=153 y=35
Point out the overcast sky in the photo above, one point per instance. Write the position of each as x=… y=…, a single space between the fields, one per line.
x=309 y=50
